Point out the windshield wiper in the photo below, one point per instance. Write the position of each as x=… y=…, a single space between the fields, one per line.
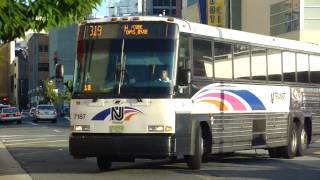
x=122 y=68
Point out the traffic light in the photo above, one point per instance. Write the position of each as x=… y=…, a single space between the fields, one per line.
x=4 y=100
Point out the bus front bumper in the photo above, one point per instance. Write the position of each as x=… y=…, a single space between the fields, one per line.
x=117 y=146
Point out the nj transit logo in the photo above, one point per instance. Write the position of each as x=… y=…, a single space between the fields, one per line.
x=117 y=114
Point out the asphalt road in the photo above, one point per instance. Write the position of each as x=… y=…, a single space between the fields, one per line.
x=42 y=151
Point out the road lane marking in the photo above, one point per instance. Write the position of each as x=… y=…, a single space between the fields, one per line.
x=19 y=136
x=34 y=124
x=38 y=142
x=316 y=152
x=56 y=130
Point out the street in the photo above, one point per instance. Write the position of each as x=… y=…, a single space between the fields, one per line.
x=42 y=151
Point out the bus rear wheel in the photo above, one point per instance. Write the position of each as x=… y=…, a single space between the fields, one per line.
x=290 y=150
x=302 y=141
x=104 y=163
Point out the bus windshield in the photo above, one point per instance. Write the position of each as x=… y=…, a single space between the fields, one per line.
x=125 y=67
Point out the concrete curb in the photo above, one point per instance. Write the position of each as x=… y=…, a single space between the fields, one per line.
x=10 y=169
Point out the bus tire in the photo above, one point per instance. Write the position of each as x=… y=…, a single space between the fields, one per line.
x=275 y=152
x=290 y=150
x=302 y=139
x=194 y=161
x=104 y=163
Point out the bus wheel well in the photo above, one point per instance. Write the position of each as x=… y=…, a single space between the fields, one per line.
x=308 y=128
x=206 y=135
x=296 y=121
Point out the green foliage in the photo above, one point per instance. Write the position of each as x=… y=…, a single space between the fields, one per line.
x=18 y=16
x=49 y=93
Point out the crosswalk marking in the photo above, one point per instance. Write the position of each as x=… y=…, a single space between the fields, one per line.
x=19 y=140
x=37 y=142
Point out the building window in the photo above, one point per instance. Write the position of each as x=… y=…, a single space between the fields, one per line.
x=284 y=17
x=40 y=48
x=191 y=2
x=202 y=58
x=45 y=48
x=43 y=67
x=161 y=2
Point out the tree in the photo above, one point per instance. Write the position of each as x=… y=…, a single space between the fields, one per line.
x=18 y=16
x=49 y=93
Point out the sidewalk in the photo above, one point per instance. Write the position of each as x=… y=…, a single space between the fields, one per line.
x=10 y=169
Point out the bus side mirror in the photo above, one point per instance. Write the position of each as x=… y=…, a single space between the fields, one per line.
x=186 y=76
x=69 y=85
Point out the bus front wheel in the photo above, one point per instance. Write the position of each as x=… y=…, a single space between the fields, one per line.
x=194 y=161
x=104 y=163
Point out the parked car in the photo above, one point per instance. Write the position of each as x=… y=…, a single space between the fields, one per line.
x=46 y=112
x=10 y=114
x=3 y=106
x=32 y=112
x=25 y=113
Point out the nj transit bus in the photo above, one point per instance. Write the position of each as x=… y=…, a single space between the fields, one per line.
x=158 y=87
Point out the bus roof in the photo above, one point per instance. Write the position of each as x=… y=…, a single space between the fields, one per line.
x=222 y=33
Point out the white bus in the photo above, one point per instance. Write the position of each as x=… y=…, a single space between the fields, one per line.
x=159 y=87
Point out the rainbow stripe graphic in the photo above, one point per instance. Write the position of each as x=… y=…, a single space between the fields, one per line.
x=228 y=98
x=128 y=113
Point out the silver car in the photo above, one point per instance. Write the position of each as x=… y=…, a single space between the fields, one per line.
x=45 y=112
x=10 y=114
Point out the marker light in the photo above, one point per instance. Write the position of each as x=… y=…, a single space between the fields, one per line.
x=114 y=19
x=125 y=19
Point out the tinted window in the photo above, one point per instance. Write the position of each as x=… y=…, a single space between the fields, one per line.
x=202 y=58
x=303 y=68
x=184 y=57
x=46 y=107
x=258 y=63
x=222 y=60
x=274 y=65
x=241 y=61
x=315 y=68
x=10 y=110
x=289 y=66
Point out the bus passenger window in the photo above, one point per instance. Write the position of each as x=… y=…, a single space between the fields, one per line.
x=303 y=68
x=315 y=68
x=274 y=65
x=222 y=60
x=202 y=58
x=258 y=63
x=184 y=58
x=289 y=66
x=241 y=60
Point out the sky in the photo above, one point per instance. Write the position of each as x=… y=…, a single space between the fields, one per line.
x=101 y=10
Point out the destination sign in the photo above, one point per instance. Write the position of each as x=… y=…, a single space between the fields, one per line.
x=135 y=30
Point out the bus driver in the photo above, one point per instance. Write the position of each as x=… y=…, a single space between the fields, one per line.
x=164 y=77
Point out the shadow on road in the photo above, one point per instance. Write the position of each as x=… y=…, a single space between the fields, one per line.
x=57 y=160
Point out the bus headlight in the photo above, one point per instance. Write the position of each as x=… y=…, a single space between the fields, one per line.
x=81 y=128
x=155 y=128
